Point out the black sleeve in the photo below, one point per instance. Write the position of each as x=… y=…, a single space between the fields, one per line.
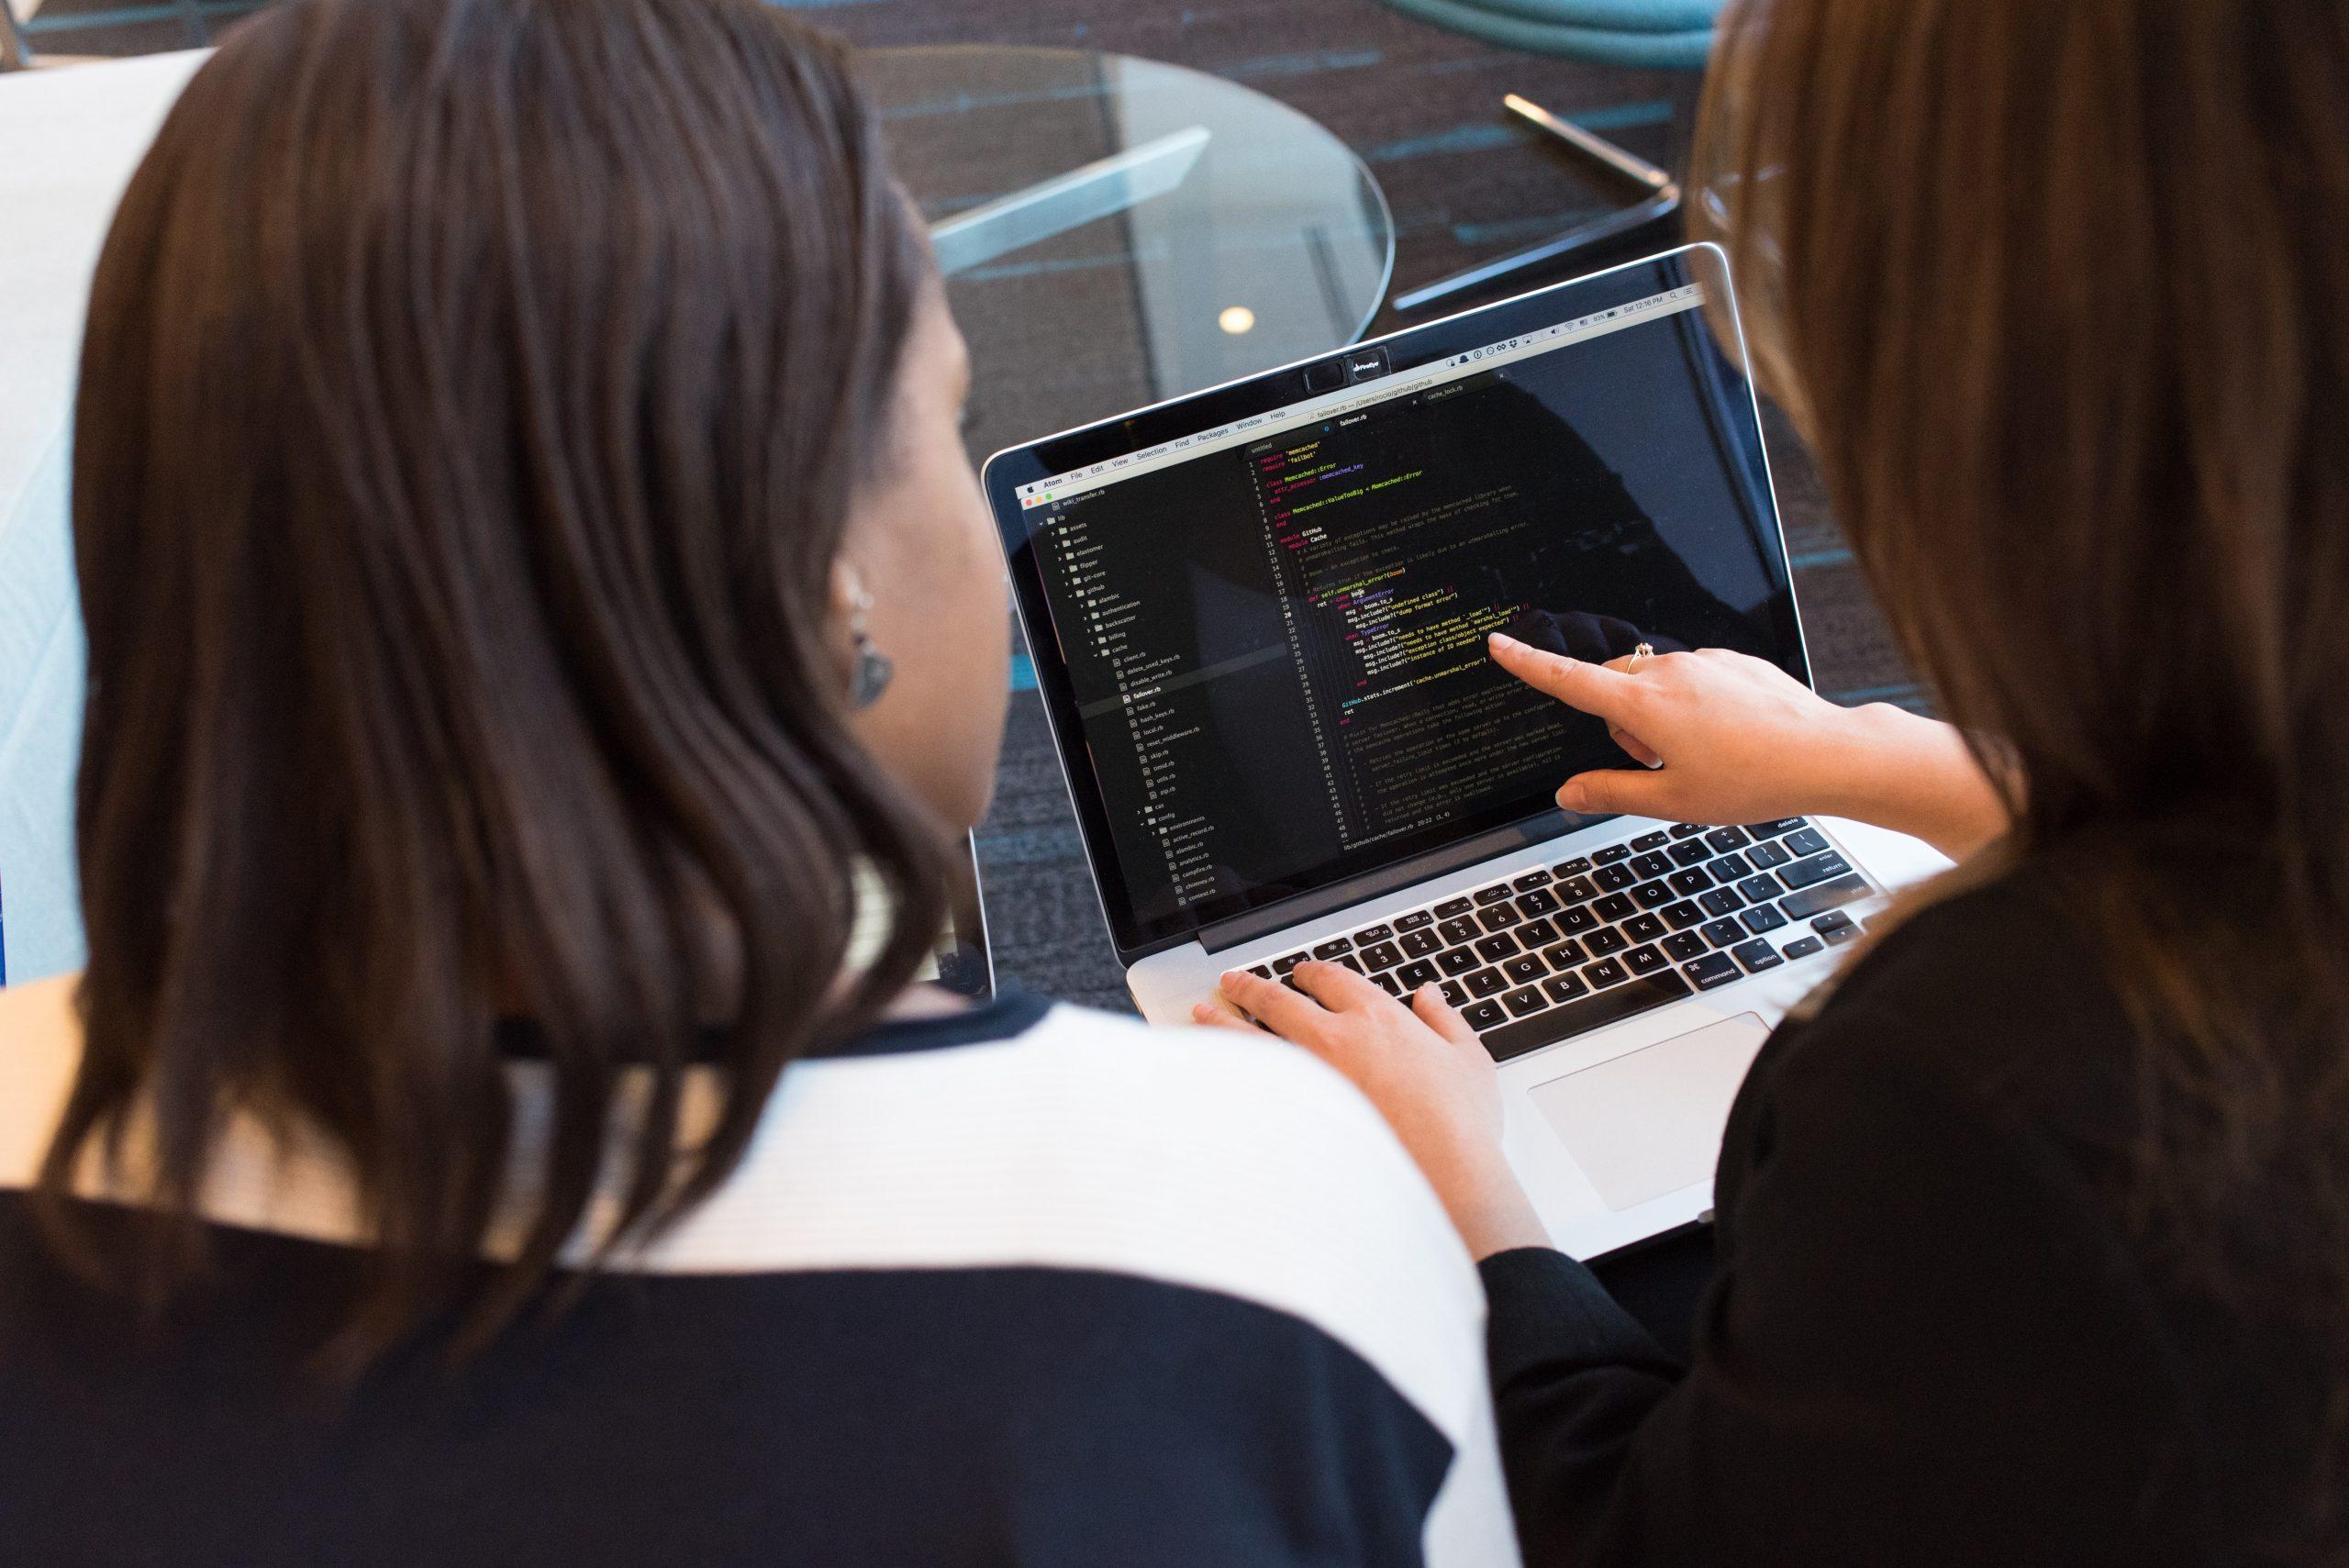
x=1921 y=1346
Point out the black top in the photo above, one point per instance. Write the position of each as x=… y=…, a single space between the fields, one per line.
x=1931 y=1336
x=1012 y=1287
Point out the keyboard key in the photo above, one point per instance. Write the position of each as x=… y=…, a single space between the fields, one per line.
x=1724 y=839
x=1536 y=934
x=1565 y=987
x=1260 y=971
x=1458 y=929
x=1381 y=955
x=1370 y=934
x=1483 y=1015
x=1579 y=1015
x=1772 y=829
x=1610 y=854
x=1655 y=840
x=1415 y=975
x=1415 y=921
x=1566 y=955
x=1683 y=914
x=1833 y=919
x=1499 y=916
x=1842 y=934
x=1756 y=956
x=1643 y=928
x=1456 y=960
x=1810 y=841
x=1614 y=907
x=1575 y=867
x=1724 y=933
x=1803 y=947
x=1351 y=960
x=1653 y=896
x=1729 y=869
x=1388 y=983
x=1575 y=889
x=1826 y=895
x=1418 y=944
x=1604 y=942
x=1645 y=959
x=1650 y=865
x=1540 y=901
x=1451 y=907
x=1455 y=993
x=1762 y=918
x=1497 y=947
x=1691 y=882
x=1721 y=901
x=1764 y=856
x=1485 y=982
x=1526 y=967
x=1331 y=950
x=1759 y=889
x=1282 y=965
x=1685 y=830
x=1605 y=973
x=1530 y=880
x=1572 y=921
x=1819 y=868
x=1683 y=946
x=1691 y=851
x=1612 y=879
x=1492 y=895
x=1713 y=970
x=1524 y=1002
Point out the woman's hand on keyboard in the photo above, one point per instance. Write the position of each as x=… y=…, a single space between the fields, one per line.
x=1420 y=1065
x=1729 y=737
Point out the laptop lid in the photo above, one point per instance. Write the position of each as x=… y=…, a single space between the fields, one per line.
x=1258 y=612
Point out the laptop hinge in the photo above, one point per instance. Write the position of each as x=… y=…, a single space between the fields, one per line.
x=1296 y=911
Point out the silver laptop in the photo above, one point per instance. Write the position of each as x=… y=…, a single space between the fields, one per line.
x=1258 y=617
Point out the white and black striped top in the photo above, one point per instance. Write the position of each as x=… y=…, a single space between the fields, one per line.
x=1026 y=1286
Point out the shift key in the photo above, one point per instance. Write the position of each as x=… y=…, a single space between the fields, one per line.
x=1826 y=895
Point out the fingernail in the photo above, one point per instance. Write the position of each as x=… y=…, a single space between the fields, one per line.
x=1573 y=797
x=1227 y=977
x=1501 y=640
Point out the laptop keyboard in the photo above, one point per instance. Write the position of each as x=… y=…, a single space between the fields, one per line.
x=1548 y=953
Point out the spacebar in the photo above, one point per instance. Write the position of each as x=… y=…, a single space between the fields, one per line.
x=1585 y=1014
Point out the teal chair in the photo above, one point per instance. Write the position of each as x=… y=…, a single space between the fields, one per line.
x=1657 y=35
x=1653 y=35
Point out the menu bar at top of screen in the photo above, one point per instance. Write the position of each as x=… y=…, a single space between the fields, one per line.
x=1599 y=324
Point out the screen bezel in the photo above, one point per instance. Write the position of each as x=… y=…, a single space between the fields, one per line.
x=1274 y=389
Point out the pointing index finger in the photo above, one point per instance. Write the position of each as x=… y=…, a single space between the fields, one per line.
x=1593 y=688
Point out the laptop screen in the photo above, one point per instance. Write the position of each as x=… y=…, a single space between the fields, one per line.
x=1268 y=633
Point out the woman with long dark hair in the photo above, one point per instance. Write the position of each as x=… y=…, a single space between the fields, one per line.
x=544 y=636
x=2032 y=1237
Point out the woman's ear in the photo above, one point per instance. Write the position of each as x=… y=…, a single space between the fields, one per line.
x=846 y=590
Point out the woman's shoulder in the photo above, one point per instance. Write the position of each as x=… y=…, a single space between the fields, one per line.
x=1062 y=1137
x=1993 y=998
x=41 y=1045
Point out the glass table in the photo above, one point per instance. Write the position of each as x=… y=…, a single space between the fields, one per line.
x=1117 y=232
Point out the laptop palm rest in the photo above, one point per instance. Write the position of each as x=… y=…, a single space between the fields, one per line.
x=1649 y=1122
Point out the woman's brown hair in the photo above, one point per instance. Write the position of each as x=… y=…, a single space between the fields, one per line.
x=2059 y=294
x=473 y=397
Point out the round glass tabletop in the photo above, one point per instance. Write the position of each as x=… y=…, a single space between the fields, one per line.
x=1117 y=232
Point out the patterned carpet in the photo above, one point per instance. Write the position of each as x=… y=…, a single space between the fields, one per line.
x=1421 y=107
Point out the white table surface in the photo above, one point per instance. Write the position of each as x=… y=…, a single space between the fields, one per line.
x=69 y=141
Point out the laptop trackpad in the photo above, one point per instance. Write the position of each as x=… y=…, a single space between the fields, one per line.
x=1649 y=1122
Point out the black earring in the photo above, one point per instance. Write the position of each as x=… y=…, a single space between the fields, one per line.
x=873 y=669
